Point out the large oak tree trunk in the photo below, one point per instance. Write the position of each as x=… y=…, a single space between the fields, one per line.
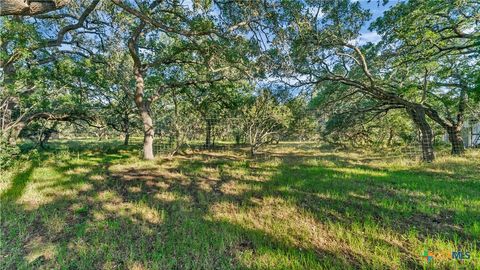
x=143 y=104
x=144 y=109
x=426 y=139
x=452 y=127
x=148 y=135
x=455 y=138
x=454 y=132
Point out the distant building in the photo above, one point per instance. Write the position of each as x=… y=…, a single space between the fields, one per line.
x=470 y=134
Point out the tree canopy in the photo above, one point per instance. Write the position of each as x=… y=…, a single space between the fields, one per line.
x=167 y=67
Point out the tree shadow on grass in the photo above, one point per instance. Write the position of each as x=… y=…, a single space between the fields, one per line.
x=165 y=218
x=399 y=201
x=371 y=186
x=120 y=223
x=20 y=180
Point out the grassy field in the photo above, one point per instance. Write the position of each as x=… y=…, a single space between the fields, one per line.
x=98 y=206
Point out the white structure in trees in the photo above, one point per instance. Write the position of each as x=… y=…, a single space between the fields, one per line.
x=470 y=134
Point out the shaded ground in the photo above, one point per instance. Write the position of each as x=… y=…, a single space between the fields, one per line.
x=100 y=207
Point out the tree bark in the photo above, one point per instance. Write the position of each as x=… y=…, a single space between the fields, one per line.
x=148 y=134
x=126 y=128
x=30 y=8
x=426 y=135
x=178 y=137
x=144 y=108
x=14 y=133
x=208 y=136
x=455 y=138
x=454 y=132
x=453 y=127
x=143 y=104
x=390 y=137
x=126 y=139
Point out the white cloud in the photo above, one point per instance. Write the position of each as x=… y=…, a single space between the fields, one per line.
x=366 y=37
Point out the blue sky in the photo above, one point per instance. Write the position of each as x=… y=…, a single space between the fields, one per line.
x=375 y=7
x=377 y=10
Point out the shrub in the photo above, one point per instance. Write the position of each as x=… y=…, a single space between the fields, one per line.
x=8 y=154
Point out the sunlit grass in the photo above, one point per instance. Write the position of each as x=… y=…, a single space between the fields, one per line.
x=99 y=206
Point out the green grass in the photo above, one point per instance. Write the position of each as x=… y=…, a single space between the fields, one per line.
x=90 y=205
